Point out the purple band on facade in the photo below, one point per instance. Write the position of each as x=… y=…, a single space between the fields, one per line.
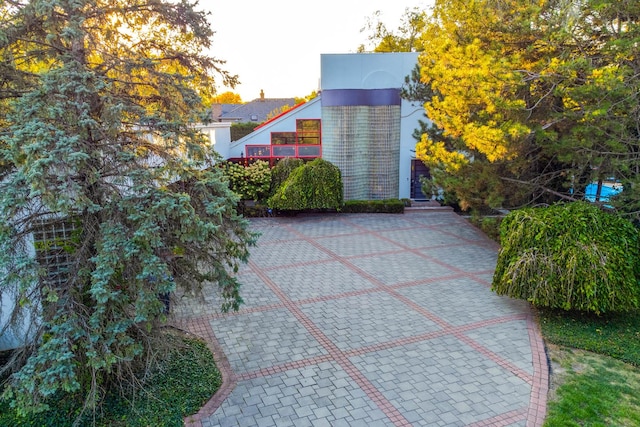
x=368 y=97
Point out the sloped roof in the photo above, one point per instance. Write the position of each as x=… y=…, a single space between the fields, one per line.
x=276 y=117
x=265 y=128
x=218 y=110
x=256 y=110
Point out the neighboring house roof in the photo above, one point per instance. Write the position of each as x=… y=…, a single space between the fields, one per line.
x=256 y=110
x=218 y=110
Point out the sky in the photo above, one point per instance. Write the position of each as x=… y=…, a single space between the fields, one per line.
x=275 y=45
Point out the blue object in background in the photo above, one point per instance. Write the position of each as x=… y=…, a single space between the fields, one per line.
x=608 y=189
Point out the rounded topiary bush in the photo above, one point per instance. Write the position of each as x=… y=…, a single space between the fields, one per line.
x=572 y=256
x=315 y=185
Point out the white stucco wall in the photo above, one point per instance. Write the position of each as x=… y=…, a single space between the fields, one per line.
x=365 y=70
x=21 y=331
x=219 y=134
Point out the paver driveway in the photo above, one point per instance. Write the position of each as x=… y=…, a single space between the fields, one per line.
x=372 y=320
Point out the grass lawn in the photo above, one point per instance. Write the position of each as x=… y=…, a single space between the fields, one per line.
x=179 y=388
x=595 y=368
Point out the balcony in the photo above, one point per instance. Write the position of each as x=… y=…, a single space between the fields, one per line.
x=280 y=151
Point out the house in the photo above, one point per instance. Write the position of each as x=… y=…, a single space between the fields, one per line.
x=258 y=110
x=358 y=122
x=294 y=133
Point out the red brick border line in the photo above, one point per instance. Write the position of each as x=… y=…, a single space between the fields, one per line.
x=337 y=355
x=502 y=420
x=276 y=369
x=505 y=364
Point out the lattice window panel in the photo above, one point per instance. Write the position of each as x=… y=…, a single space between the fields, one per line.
x=52 y=240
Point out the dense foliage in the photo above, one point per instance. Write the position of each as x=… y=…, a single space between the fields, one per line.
x=315 y=185
x=249 y=182
x=100 y=101
x=281 y=172
x=533 y=99
x=570 y=256
x=179 y=384
x=528 y=101
x=241 y=129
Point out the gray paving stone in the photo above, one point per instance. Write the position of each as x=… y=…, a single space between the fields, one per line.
x=286 y=253
x=510 y=340
x=499 y=394
x=416 y=239
x=320 y=227
x=318 y=280
x=368 y=319
x=466 y=257
x=272 y=230
x=377 y=222
x=297 y=410
x=462 y=301
x=434 y=218
x=397 y=268
x=359 y=244
x=252 y=341
x=463 y=229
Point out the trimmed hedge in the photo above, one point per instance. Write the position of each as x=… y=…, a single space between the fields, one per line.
x=570 y=256
x=315 y=185
x=374 y=206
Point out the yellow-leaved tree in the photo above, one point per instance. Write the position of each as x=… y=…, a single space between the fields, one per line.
x=531 y=100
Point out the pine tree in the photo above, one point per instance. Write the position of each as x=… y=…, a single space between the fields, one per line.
x=99 y=101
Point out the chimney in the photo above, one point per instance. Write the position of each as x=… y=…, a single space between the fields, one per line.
x=261 y=94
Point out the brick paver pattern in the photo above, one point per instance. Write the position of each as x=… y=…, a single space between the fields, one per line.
x=371 y=320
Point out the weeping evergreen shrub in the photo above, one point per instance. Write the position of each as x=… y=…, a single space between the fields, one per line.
x=281 y=172
x=572 y=256
x=315 y=185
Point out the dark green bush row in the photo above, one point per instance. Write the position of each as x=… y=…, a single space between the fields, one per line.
x=570 y=256
x=374 y=206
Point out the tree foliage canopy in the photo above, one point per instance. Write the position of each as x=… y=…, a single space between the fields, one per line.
x=227 y=98
x=99 y=100
x=406 y=38
x=543 y=96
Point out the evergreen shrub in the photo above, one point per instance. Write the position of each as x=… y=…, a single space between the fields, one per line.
x=281 y=172
x=315 y=185
x=570 y=256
